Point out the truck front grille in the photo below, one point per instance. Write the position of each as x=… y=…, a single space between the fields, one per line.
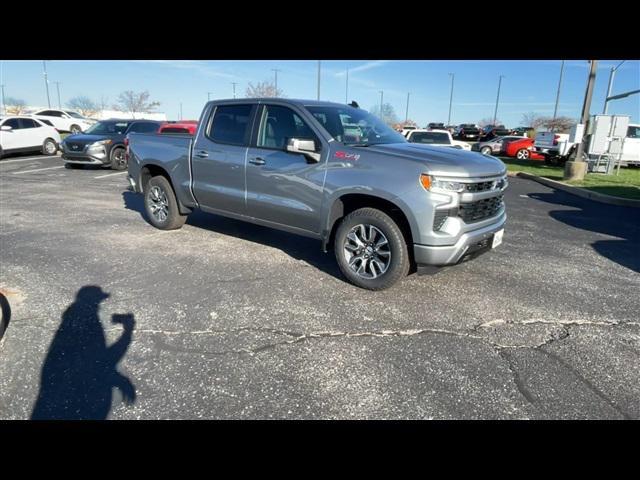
x=481 y=209
x=485 y=186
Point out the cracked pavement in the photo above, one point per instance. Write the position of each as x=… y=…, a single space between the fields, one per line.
x=238 y=321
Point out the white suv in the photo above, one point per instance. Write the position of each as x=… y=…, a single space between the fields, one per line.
x=23 y=134
x=65 y=120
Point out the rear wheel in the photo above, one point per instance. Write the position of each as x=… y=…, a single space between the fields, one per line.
x=371 y=250
x=75 y=129
x=119 y=159
x=523 y=154
x=485 y=150
x=161 y=204
x=49 y=147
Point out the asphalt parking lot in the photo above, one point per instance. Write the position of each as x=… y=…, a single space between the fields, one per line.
x=223 y=319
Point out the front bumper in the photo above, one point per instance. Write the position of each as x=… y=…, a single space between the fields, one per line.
x=473 y=242
x=87 y=158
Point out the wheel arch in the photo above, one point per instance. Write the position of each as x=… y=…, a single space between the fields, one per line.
x=150 y=170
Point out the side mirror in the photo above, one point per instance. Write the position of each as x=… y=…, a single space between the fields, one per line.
x=304 y=147
x=6 y=128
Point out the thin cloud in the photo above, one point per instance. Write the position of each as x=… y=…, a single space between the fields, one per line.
x=363 y=67
x=194 y=65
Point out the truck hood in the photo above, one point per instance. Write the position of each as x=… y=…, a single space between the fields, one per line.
x=444 y=161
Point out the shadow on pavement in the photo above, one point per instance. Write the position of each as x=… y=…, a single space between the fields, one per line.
x=296 y=246
x=80 y=371
x=5 y=314
x=611 y=220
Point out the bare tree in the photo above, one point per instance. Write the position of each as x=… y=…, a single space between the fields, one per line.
x=15 y=106
x=84 y=105
x=400 y=125
x=533 y=120
x=489 y=121
x=263 y=89
x=388 y=113
x=135 y=102
x=559 y=124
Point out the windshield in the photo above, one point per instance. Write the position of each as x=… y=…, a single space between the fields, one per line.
x=107 y=128
x=352 y=126
x=430 y=137
x=73 y=114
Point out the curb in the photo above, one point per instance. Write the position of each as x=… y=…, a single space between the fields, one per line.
x=580 y=192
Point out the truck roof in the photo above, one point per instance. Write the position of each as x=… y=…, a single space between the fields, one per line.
x=296 y=101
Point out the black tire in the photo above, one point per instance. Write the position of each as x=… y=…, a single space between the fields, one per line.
x=486 y=150
x=158 y=193
x=118 y=158
x=399 y=262
x=523 y=154
x=49 y=147
x=75 y=129
x=75 y=166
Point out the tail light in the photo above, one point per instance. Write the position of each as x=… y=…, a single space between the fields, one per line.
x=555 y=139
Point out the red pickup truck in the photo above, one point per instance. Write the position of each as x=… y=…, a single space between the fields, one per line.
x=183 y=126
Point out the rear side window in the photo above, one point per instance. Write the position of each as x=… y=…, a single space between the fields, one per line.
x=230 y=124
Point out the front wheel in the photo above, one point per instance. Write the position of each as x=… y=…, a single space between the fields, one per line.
x=161 y=205
x=485 y=150
x=371 y=250
x=49 y=147
x=523 y=154
x=119 y=159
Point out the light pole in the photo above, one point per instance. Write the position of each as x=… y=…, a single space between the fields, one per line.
x=576 y=168
x=234 y=89
x=453 y=75
x=46 y=82
x=180 y=110
x=612 y=74
x=209 y=96
x=495 y=113
x=381 y=97
x=318 y=79
x=346 y=91
x=276 y=70
x=555 y=109
x=4 y=106
x=406 y=113
x=58 y=90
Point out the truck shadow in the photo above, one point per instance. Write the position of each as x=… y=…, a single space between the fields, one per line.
x=611 y=220
x=5 y=314
x=80 y=370
x=301 y=248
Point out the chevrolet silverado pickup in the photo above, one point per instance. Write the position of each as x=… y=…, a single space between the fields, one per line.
x=384 y=205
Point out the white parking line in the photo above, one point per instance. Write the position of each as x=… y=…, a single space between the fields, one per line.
x=110 y=174
x=37 y=170
x=32 y=159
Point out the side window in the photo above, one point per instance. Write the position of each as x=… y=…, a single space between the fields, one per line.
x=279 y=124
x=13 y=123
x=28 y=123
x=633 y=132
x=230 y=124
x=144 y=127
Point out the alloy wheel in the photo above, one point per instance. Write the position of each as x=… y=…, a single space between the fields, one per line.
x=367 y=252
x=158 y=203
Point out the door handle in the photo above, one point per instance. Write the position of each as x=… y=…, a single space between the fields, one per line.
x=202 y=154
x=257 y=161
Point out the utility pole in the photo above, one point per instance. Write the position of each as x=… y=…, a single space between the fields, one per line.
x=381 y=97
x=58 y=89
x=234 y=89
x=4 y=105
x=453 y=76
x=180 y=110
x=555 y=109
x=276 y=70
x=576 y=168
x=346 y=92
x=406 y=113
x=209 y=96
x=495 y=113
x=612 y=74
x=46 y=82
x=318 y=79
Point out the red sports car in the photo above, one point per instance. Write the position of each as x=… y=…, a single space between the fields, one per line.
x=522 y=149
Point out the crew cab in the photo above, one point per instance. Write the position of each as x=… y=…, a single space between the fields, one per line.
x=436 y=138
x=65 y=120
x=468 y=131
x=490 y=132
x=380 y=202
x=26 y=134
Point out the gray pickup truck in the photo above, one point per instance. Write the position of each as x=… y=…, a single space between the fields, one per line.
x=328 y=171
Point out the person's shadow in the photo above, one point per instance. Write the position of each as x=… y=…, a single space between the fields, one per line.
x=80 y=371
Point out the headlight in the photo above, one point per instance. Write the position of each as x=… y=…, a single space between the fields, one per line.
x=430 y=183
x=101 y=143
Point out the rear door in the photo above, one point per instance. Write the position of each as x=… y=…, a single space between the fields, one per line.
x=219 y=156
x=284 y=187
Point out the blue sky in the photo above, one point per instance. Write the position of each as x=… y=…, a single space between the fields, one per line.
x=528 y=86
